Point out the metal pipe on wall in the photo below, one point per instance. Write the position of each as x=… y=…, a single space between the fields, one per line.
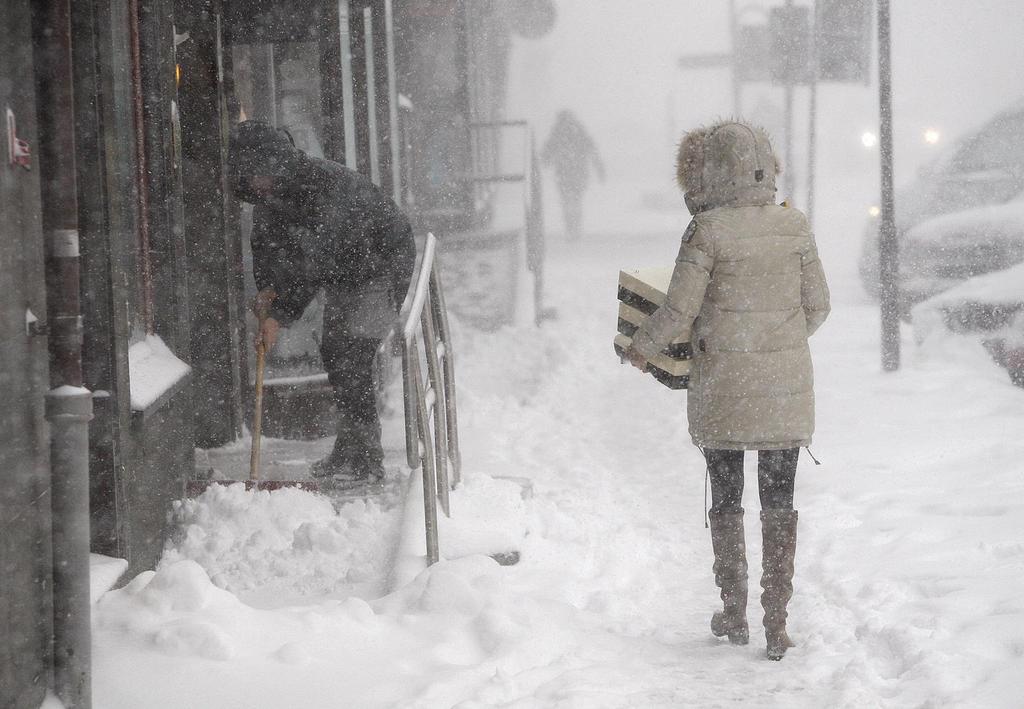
x=371 y=97
x=141 y=169
x=393 y=131
x=347 y=95
x=68 y=404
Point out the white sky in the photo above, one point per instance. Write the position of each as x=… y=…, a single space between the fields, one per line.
x=955 y=63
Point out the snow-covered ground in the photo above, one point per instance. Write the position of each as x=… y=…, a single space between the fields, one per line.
x=909 y=571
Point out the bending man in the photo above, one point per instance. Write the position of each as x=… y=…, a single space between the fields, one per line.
x=318 y=224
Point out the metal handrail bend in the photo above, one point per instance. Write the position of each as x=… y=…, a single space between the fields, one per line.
x=431 y=423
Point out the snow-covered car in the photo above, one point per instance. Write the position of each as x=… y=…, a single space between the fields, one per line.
x=949 y=222
x=989 y=306
x=939 y=253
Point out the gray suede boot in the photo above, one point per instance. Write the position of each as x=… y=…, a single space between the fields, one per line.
x=730 y=576
x=778 y=530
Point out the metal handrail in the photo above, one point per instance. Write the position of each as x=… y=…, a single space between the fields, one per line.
x=431 y=424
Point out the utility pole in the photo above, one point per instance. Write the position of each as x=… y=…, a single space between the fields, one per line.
x=888 y=246
x=737 y=89
x=812 y=111
x=788 y=172
x=726 y=60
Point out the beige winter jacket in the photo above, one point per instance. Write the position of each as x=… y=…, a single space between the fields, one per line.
x=748 y=289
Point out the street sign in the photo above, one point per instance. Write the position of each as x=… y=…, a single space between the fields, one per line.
x=752 y=51
x=844 y=40
x=789 y=30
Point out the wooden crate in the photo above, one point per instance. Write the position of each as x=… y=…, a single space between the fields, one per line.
x=641 y=292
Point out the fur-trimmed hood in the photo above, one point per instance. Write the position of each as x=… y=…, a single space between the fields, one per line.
x=727 y=164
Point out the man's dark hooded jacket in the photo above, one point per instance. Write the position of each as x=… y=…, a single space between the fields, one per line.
x=323 y=224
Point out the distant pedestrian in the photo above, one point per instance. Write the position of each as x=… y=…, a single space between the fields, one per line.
x=570 y=152
x=747 y=291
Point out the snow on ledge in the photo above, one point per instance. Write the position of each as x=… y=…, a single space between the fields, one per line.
x=152 y=370
x=50 y=701
x=68 y=390
x=104 y=572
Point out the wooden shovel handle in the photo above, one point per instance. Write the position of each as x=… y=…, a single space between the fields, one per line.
x=257 y=414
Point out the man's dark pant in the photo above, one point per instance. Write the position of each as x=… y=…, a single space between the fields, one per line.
x=776 y=476
x=349 y=365
x=354 y=325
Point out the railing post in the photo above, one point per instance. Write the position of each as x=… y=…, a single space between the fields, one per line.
x=429 y=469
x=447 y=360
x=430 y=403
x=435 y=412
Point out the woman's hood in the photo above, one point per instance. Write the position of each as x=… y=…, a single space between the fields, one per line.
x=727 y=164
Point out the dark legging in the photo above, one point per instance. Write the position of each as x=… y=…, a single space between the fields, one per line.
x=776 y=474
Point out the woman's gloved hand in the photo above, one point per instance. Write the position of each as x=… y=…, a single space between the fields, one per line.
x=636 y=359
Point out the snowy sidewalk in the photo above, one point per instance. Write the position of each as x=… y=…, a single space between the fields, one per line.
x=909 y=568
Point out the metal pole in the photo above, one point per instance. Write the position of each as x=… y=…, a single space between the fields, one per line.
x=371 y=97
x=394 y=138
x=787 y=173
x=888 y=246
x=348 y=104
x=812 y=129
x=789 y=183
x=69 y=410
x=737 y=89
x=141 y=169
x=68 y=404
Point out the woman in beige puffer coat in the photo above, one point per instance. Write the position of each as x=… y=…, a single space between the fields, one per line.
x=747 y=291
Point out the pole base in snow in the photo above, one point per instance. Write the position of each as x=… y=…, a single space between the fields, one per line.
x=506 y=558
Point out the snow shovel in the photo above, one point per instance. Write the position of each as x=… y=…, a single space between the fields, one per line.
x=257 y=413
x=196 y=487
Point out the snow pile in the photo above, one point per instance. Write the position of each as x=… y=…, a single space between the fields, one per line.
x=152 y=370
x=275 y=547
x=235 y=655
x=179 y=612
x=488 y=517
x=391 y=652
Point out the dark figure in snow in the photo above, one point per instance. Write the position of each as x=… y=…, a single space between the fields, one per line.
x=747 y=291
x=570 y=151
x=318 y=224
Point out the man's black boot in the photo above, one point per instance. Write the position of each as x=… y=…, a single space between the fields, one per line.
x=343 y=460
